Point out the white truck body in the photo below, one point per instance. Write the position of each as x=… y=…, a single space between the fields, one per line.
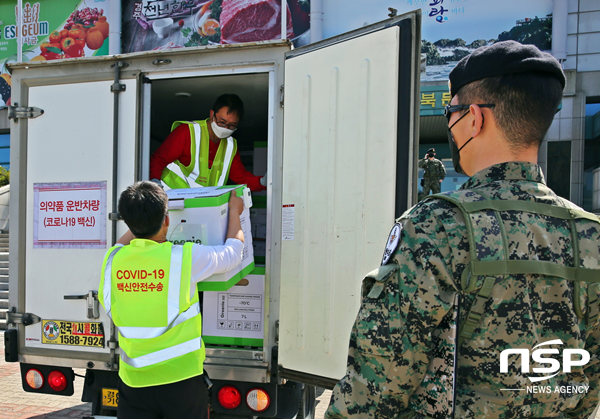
x=340 y=120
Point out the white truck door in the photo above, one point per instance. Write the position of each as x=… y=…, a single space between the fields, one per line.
x=69 y=196
x=350 y=133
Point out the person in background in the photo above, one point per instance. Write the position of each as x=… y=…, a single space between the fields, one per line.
x=434 y=173
x=468 y=276
x=148 y=289
x=204 y=153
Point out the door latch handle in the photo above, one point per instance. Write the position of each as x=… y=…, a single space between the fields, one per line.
x=91 y=301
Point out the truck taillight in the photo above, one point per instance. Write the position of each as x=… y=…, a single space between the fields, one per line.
x=57 y=381
x=34 y=379
x=229 y=397
x=258 y=400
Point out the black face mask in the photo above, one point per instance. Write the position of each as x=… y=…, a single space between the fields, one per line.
x=454 y=150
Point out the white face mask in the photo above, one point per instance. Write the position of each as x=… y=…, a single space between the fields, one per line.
x=220 y=131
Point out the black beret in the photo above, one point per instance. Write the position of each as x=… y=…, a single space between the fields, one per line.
x=500 y=59
x=431 y=150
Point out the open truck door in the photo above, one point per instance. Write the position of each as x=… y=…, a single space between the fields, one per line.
x=350 y=138
x=60 y=211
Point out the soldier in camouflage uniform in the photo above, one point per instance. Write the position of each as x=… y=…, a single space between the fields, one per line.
x=502 y=263
x=434 y=173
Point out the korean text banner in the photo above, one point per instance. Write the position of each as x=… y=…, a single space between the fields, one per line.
x=451 y=29
x=51 y=30
x=158 y=24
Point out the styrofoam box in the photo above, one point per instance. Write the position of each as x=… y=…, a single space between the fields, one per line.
x=200 y=215
x=236 y=316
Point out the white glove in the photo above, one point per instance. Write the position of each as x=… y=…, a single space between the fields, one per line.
x=263 y=180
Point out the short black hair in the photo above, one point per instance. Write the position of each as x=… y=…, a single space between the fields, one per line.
x=525 y=104
x=143 y=206
x=232 y=101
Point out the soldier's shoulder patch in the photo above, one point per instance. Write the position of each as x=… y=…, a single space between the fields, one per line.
x=392 y=243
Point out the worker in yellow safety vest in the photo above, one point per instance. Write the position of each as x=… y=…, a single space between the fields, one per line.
x=148 y=289
x=204 y=153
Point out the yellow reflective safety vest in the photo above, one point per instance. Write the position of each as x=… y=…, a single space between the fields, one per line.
x=145 y=290
x=178 y=176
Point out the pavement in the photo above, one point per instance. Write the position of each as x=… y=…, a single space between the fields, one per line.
x=18 y=404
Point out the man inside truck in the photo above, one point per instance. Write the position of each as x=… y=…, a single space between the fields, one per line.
x=502 y=266
x=148 y=289
x=204 y=153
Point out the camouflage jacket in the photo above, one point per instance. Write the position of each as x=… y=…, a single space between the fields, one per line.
x=433 y=169
x=401 y=351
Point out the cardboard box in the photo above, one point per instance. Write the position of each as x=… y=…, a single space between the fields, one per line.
x=200 y=215
x=236 y=316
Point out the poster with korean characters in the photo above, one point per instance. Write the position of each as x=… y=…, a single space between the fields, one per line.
x=160 y=24
x=51 y=30
x=451 y=29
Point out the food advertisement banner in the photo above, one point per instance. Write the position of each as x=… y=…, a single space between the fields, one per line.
x=51 y=29
x=157 y=24
x=69 y=215
x=451 y=29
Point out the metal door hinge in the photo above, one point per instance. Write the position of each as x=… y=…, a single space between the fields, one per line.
x=23 y=318
x=23 y=112
x=281 y=95
x=91 y=302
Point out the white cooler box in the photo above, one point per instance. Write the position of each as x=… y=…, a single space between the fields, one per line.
x=236 y=317
x=200 y=215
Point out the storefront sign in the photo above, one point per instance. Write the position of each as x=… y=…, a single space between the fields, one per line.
x=51 y=30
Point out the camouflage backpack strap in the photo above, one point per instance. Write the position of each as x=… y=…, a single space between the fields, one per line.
x=490 y=231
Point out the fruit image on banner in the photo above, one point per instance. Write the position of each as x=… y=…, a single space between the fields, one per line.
x=51 y=30
x=157 y=24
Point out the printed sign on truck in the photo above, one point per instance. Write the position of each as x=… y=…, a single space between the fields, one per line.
x=69 y=215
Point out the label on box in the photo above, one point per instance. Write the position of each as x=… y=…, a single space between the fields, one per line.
x=237 y=312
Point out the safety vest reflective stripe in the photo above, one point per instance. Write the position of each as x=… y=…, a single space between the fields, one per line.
x=197 y=137
x=163 y=355
x=107 y=281
x=153 y=332
x=174 y=283
x=228 y=160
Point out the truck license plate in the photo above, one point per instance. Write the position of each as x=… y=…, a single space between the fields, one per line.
x=63 y=332
x=110 y=397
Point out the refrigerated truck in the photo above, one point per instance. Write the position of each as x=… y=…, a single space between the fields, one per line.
x=339 y=118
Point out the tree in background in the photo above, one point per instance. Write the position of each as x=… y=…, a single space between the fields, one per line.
x=4 y=176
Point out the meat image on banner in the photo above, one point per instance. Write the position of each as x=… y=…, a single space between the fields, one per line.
x=158 y=24
x=252 y=20
x=69 y=215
